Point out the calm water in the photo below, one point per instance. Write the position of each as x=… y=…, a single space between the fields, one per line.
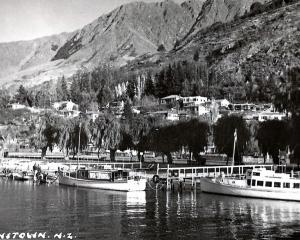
x=97 y=214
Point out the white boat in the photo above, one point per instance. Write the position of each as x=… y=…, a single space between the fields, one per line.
x=118 y=180
x=258 y=183
x=21 y=176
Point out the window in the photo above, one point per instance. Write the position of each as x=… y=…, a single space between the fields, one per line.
x=277 y=184
x=256 y=174
x=253 y=182
x=248 y=182
x=260 y=183
x=268 y=184
x=286 y=185
x=296 y=185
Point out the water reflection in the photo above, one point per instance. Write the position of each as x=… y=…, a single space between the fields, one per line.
x=95 y=214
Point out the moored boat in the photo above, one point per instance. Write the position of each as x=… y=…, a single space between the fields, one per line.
x=119 y=180
x=21 y=176
x=258 y=183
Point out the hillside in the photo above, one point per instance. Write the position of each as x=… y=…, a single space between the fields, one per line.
x=237 y=50
x=19 y=56
x=132 y=30
x=218 y=11
x=245 y=58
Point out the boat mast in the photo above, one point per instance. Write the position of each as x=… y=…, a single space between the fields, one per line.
x=78 y=149
x=233 y=153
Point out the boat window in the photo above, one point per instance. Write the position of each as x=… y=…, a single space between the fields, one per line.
x=277 y=184
x=248 y=182
x=296 y=185
x=253 y=182
x=268 y=184
x=260 y=183
x=286 y=185
x=256 y=174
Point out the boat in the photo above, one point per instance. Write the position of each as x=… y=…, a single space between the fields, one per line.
x=257 y=183
x=21 y=176
x=119 y=180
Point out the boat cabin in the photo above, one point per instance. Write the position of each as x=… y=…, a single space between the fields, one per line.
x=263 y=178
x=115 y=175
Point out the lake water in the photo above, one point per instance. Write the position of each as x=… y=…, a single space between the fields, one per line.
x=58 y=212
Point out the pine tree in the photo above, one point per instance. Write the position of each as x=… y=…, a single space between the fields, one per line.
x=75 y=91
x=149 y=86
x=161 y=87
x=130 y=90
x=64 y=89
x=21 y=96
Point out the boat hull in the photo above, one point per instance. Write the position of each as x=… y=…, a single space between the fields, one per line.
x=128 y=186
x=211 y=186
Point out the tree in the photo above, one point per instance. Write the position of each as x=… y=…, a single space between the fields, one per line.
x=196 y=56
x=223 y=133
x=21 y=96
x=64 y=89
x=112 y=137
x=47 y=134
x=4 y=99
x=127 y=112
x=75 y=91
x=272 y=136
x=161 y=48
x=130 y=90
x=149 y=86
x=194 y=135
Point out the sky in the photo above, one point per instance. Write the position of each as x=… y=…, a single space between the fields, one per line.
x=29 y=19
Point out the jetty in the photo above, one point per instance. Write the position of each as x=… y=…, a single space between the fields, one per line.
x=189 y=178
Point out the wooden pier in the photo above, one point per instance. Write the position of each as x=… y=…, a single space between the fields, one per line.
x=182 y=178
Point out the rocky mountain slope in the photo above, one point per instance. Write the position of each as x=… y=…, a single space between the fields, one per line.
x=22 y=55
x=234 y=48
x=219 y=11
x=127 y=32
x=248 y=51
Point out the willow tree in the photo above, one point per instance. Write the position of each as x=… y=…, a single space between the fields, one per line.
x=224 y=136
x=112 y=137
x=47 y=133
x=272 y=136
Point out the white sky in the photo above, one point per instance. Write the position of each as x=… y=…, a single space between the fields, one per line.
x=29 y=19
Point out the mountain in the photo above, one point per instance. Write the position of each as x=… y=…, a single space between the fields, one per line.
x=233 y=46
x=19 y=56
x=251 y=52
x=130 y=31
x=219 y=11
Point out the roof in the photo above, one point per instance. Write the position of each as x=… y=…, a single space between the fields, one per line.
x=171 y=96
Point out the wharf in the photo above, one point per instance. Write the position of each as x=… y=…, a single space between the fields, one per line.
x=189 y=178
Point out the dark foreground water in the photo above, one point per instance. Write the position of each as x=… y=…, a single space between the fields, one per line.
x=57 y=212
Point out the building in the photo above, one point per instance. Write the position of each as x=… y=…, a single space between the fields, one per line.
x=195 y=100
x=16 y=106
x=172 y=116
x=92 y=115
x=265 y=115
x=223 y=103
x=65 y=106
x=170 y=99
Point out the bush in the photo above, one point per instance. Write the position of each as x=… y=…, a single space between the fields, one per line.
x=161 y=48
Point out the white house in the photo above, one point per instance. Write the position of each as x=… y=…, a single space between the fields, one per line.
x=65 y=106
x=170 y=99
x=172 y=116
x=195 y=100
x=223 y=102
x=16 y=106
x=265 y=115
